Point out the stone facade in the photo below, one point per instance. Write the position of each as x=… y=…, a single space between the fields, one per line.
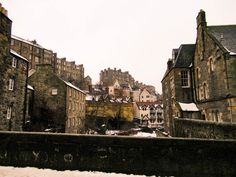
x=70 y=72
x=177 y=83
x=147 y=96
x=87 y=83
x=119 y=154
x=36 y=54
x=13 y=80
x=189 y=128
x=211 y=76
x=57 y=104
x=108 y=76
x=215 y=71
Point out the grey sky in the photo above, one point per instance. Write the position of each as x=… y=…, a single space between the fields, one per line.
x=133 y=35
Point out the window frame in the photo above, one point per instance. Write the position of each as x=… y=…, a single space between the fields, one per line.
x=14 y=62
x=11 y=84
x=9 y=112
x=185 y=78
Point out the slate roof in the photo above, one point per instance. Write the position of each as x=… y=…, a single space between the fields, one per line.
x=26 y=41
x=226 y=35
x=185 y=56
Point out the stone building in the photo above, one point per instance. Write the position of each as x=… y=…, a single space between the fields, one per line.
x=147 y=96
x=108 y=76
x=200 y=83
x=215 y=71
x=58 y=105
x=70 y=72
x=87 y=83
x=177 y=83
x=13 y=80
x=36 y=54
x=143 y=95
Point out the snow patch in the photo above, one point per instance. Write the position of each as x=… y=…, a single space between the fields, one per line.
x=188 y=106
x=35 y=172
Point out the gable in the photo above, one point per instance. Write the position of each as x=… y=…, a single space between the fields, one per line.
x=225 y=35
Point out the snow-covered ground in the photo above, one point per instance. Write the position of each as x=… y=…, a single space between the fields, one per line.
x=35 y=172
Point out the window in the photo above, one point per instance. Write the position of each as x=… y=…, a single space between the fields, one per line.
x=54 y=91
x=211 y=67
x=9 y=110
x=36 y=59
x=14 y=62
x=184 y=78
x=12 y=41
x=11 y=84
x=204 y=90
x=69 y=105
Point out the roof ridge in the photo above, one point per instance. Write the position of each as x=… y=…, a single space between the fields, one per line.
x=221 y=25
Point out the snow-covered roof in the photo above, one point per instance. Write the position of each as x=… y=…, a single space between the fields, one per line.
x=30 y=87
x=144 y=134
x=16 y=54
x=188 y=106
x=89 y=97
x=31 y=72
x=72 y=86
x=26 y=41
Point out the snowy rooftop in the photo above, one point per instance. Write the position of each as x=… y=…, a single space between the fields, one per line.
x=26 y=41
x=30 y=87
x=16 y=54
x=72 y=86
x=188 y=106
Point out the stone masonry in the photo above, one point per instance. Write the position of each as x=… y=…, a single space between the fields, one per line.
x=14 y=72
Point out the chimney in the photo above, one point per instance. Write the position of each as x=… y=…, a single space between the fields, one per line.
x=90 y=88
x=169 y=64
x=201 y=19
x=3 y=10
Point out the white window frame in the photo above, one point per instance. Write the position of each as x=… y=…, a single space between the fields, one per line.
x=11 y=84
x=36 y=59
x=9 y=112
x=185 y=83
x=54 y=92
x=14 y=62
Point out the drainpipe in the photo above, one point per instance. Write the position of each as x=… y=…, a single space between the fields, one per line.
x=226 y=56
x=25 y=101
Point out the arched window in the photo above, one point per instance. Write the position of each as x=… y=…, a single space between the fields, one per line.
x=204 y=91
x=211 y=67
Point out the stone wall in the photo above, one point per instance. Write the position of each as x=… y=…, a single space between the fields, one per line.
x=5 y=36
x=12 y=101
x=49 y=110
x=204 y=129
x=149 y=156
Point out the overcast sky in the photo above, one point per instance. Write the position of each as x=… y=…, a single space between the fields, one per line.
x=132 y=35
